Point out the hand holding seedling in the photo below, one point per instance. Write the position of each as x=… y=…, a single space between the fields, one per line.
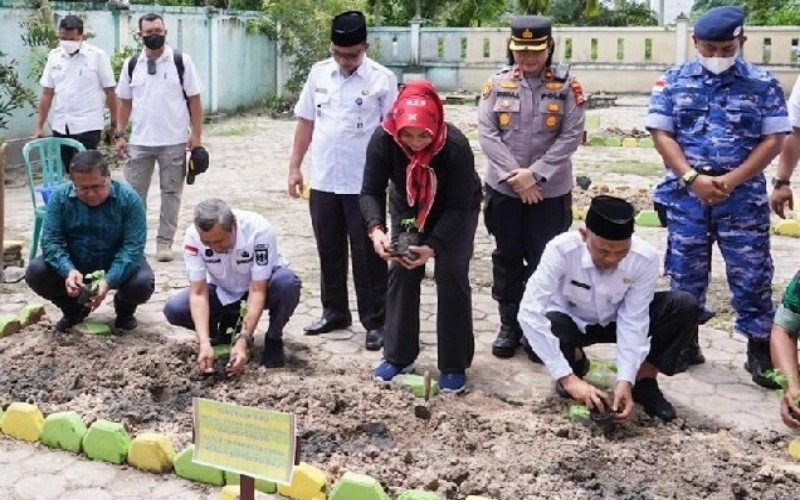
x=790 y=407
x=381 y=243
x=623 y=401
x=73 y=283
x=100 y=289
x=423 y=252
x=238 y=360
x=586 y=393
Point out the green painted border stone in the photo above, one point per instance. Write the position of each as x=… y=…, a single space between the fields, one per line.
x=262 y=485
x=9 y=325
x=417 y=385
x=648 y=218
x=354 y=486
x=597 y=140
x=418 y=495
x=613 y=142
x=646 y=143
x=30 y=314
x=188 y=469
x=94 y=328
x=107 y=441
x=63 y=430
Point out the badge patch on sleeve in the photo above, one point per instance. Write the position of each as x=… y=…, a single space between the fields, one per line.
x=190 y=250
x=487 y=90
x=658 y=87
x=578 y=91
x=262 y=255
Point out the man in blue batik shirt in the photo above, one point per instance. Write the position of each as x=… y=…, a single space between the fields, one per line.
x=92 y=224
x=717 y=122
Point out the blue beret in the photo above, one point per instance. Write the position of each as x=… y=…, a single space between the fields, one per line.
x=720 y=24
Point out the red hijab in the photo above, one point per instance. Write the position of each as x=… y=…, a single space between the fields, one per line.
x=418 y=105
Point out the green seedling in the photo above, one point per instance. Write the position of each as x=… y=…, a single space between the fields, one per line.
x=91 y=283
x=782 y=380
x=233 y=331
x=579 y=413
x=409 y=236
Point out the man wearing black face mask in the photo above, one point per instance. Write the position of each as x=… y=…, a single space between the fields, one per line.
x=154 y=95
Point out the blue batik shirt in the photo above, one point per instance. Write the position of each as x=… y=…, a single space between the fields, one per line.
x=717 y=119
x=110 y=236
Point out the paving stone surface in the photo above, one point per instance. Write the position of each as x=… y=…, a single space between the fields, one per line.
x=252 y=167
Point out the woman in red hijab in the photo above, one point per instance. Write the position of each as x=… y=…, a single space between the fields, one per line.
x=429 y=168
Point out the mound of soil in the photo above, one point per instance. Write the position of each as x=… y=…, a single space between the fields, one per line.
x=476 y=443
x=639 y=197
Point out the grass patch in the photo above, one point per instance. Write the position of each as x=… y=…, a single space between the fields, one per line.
x=235 y=130
x=634 y=167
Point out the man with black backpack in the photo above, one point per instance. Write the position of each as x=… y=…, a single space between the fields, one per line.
x=159 y=91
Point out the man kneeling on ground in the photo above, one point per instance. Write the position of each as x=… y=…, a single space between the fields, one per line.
x=598 y=286
x=93 y=224
x=232 y=256
x=783 y=347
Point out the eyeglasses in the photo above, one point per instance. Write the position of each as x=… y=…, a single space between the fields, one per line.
x=94 y=188
x=345 y=56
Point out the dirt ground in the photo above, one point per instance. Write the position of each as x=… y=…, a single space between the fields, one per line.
x=475 y=443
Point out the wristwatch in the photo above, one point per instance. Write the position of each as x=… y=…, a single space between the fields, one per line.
x=689 y=177
x=239 y=336
x=777 y=183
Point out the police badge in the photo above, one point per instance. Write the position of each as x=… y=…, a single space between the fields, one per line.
x=262 y=254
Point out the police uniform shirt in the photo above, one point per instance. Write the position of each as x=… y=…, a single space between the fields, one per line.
x=567 y=281
x=253 y=257
x=534 y=123
x=793 y=105
x=345 y=111
x=159 y=115
x=717 y=119
x=78 y=82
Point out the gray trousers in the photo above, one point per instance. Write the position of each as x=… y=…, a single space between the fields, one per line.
x=138 y=172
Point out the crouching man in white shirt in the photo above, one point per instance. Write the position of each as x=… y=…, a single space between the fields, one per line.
x=598 y=286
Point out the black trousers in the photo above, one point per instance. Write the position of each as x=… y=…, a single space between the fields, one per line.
x=47 y=283
x=336 y=218
x=89 y=139
x=454 y=338
x=673 y=316
x=520 y=233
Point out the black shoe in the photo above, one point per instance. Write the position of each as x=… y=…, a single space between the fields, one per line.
x=273 y=356
x=325 y=326
x=530 y=352
x=374 y=340
x=507 y=341
x=126 y=322
x=690 y=355
x=758 y=362
x=68 y=321
x=647 y=394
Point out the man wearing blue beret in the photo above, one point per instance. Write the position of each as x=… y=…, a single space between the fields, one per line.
x=717 y=122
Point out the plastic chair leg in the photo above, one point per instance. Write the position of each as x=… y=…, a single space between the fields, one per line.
x=37 y=231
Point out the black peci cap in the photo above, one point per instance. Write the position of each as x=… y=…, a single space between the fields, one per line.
x=610 y=218
x=348 y=29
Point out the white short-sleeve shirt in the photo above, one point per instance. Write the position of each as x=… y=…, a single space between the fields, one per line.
x=793 y=105
x=345 y=110
x=566 y=280
x=253 y=258
x=78 y=83
x=159 y=116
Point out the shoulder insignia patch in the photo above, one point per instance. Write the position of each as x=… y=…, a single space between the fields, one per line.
x=487 y=90
x=578 y=91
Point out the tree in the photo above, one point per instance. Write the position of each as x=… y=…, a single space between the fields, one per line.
x=759 y=12
x=619 y=13
x=533 y=6
x=14 y=94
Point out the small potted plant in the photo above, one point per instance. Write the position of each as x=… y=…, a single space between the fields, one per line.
x=409 y=236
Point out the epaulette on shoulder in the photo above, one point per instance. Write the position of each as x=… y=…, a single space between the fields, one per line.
x=561 y=72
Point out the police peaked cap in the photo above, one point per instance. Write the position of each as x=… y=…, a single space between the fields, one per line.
x=720 y=24
x=610 y=218
x=530 y=33
x=349 y=28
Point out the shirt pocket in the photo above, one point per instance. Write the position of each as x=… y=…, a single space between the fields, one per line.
x=744 y=119
x=322 y=104
x=550 y=116
x=507 y=110
x=577 y=294
x=691 y=113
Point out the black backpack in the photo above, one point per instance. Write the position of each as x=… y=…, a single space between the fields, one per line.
x=177 y=57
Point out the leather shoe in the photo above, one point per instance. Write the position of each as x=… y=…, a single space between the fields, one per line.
x=647 y=394
x=326 y=325
x=374 y=339
x=507 y=341
x=758 y=362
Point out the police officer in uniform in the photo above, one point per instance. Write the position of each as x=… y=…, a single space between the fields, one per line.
x=530 y=122
x=342 y=103
x=717 y=122
x=597 y=285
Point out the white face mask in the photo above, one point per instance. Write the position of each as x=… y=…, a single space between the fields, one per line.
x=69 y=46
x=717 y=65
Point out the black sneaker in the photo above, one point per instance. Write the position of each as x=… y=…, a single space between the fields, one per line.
x=68 y=321
x=758 y=362
x=647 y=393
x=273 y=355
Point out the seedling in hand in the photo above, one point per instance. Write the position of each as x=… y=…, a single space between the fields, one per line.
x=91 y=283
x=409 y=236
x=782 y=380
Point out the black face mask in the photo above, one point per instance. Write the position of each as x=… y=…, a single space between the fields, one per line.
x=154 y=42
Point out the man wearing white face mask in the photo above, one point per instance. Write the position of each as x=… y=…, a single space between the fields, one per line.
x=717 y=122
x=77 y=75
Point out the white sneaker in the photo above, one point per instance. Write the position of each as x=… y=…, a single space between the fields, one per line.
x=164 y=252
